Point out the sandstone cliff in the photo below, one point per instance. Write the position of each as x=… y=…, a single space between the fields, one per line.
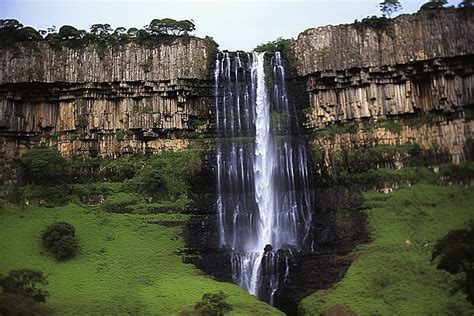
x=103 y=101
x=415 y=65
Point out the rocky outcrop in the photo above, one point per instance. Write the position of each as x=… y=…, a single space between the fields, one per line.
x=185 y=58
x=408 y=39
x=103 y=100
x=415 y=65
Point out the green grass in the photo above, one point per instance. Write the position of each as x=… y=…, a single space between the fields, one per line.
x=125 y=265
x=390 y=277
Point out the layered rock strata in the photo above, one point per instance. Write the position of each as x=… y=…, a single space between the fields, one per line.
x=103 y=101
x=416 y=65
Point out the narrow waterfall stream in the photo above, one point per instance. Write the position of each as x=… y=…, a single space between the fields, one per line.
x=264 y=203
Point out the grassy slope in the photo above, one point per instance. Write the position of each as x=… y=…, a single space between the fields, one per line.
x=390 y=277
x=124 y=266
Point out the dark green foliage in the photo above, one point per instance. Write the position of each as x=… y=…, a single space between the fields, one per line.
x=68 y=36
x=131 y=184
x=47 y=194
x=456 y=252
x=466 y=4
x=374 y=22
x=18 y=305
x=59 y=240
x=25 y=282
x=12 y=31
x=167 y=175
x=159 y=30
x=213 y=304
x=105 y=169
x=282 y=45
x=463 y=172
x=44 y=166
x=167 y=26
x=121 y=202
x=434 y=5
x=388 y=7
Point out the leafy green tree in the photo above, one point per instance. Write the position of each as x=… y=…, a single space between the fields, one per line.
x=456 y=252
x=101 y=30
x=30 y=34
x=434 y=5
x=213 y=304
x=59 y=239
x=132 y=32
x=13 y=31
x=26 y=283
x=70 y=33
x=388 y=7
x=167 y=26
x=10 y=24
x=120 y=35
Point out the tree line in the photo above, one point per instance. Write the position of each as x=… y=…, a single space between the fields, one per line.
x=388 y=7
x=12 y=31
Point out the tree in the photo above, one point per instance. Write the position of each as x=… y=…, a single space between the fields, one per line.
x=434 y=5
x=25 y=282
x=388 y=7
x=213 y=304
x=456 y=252
x=101 y=30
x=167 y=26
x=59 y=239
x=466 y=4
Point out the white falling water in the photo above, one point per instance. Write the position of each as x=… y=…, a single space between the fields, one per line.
x=263 y=164
x=263 y=194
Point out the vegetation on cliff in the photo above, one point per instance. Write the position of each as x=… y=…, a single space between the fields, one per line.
x=129 y=184
x=157 y=31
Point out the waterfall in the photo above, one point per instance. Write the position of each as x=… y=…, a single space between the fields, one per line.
x=264 y=201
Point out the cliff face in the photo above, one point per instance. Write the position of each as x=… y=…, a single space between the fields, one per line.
x=416 y=65
x=103 y=101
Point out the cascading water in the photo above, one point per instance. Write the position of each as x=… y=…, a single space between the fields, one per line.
x=263 y=196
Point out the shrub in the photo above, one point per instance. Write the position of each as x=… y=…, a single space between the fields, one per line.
x=167 y=175
x=24 y=282
x=121 y=202
x=44 y=166
x=11 y=304
x=213 y=304
x=59 y=240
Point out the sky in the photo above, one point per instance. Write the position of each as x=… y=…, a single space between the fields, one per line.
x=234 y=24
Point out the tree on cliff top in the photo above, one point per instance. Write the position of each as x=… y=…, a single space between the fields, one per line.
x=434 y=5
x=169 y=26
x=388 y=7
x=467 y=4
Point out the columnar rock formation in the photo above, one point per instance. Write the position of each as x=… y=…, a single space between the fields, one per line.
x=418 y=64
x=96 y=100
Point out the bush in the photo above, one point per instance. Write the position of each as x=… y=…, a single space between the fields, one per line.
x=44 y=166
x=59 y=240
x=121 y=202
x=167 y=175
x=24 y=282
x=11 y=304
x=213 y=304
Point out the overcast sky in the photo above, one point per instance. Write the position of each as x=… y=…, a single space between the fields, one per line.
x=234 y=24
